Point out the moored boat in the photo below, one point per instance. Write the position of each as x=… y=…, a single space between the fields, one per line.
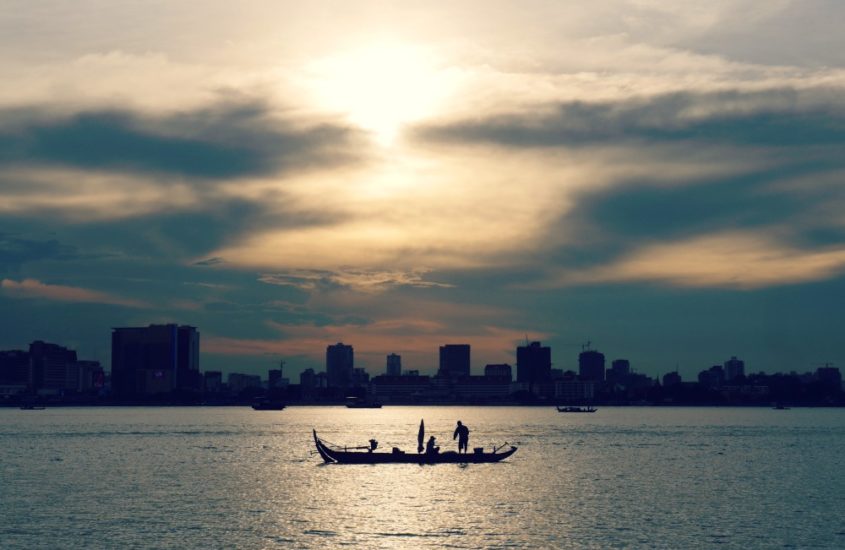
x=358 y=403
x=576 y=409
x=267 y=405
x=366 y=455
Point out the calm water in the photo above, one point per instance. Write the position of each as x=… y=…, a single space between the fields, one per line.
x=233 y=477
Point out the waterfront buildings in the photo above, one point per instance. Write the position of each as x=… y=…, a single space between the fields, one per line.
x=499 y=370
x=734 y=368
x=48 y=369
x=394 y=365
x=533 y=364
x=340 y=364
x=155 y=359
x=591 y=365
x=454 y=361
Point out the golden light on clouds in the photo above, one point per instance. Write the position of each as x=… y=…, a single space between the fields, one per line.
x=731 y=260
x=31 y=288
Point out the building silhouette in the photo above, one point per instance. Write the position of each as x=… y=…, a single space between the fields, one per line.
x=454 y=361
x=14 y=367
x=619 y=371
x=713 y=377
x=238 y=382
x=155 y=359
x=502 y=371
x=212 y=381
x=672 y=379
x=734 y=368
x=307 y=379
x=340 y=364
x=533 y=363
x=591 y=365
x=394 y=365
x=50 y=366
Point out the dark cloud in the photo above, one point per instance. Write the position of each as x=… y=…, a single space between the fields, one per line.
x=227 y=140
x=17 y=250
x=612 y=222
x=771 y=118
x=210 y=262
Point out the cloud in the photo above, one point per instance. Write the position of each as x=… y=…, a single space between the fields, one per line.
x=356 y=279
x=31 y=288
x=209 y=262
x=222 y=141
x=775 y=117
x=734 y=260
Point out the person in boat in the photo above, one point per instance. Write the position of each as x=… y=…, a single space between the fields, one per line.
x=373 y=445
x=462 y=435
x=430 y=448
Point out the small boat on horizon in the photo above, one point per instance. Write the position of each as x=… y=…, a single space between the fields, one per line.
x=333 y=454
x=33 y=407
x=576 y=409
x=358 y=403
x=267 y=405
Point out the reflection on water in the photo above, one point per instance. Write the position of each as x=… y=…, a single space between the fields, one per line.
x=234 y=477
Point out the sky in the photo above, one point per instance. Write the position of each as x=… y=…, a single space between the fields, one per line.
x=662 y=180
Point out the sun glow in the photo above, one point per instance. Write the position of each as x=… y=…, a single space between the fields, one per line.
x=381 y=87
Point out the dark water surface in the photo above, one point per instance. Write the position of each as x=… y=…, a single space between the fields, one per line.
x=238 y=478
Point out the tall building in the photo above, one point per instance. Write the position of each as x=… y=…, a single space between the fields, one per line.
x=734 y=368
x=394 y=365
x=307 y=379
x=533 y=363
x=454 y=360
x=274 y=378
x=340 y=362
x=591 y=365
x=155 y=359
x=618 y=372
x=53 y=367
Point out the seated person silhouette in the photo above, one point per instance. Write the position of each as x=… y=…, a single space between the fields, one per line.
x=430 y=448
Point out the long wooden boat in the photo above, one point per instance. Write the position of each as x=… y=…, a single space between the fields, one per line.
x=363 y=405
x=265 y=405
x=576 y=409
x=332 y=455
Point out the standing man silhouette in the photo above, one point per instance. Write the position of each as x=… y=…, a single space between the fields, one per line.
x=462 y=435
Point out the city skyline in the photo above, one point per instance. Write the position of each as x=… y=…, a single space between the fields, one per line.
x=530 y=360
x=663 y=180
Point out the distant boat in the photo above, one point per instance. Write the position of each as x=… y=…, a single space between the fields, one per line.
x=367 y=455
x=267 y=405
x=576 y=409
x=32 y=407
x=780 y=407
x=358 y=403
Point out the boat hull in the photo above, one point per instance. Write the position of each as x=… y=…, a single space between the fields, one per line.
x=334 y=456
x=268 y=407
x=575 y=410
